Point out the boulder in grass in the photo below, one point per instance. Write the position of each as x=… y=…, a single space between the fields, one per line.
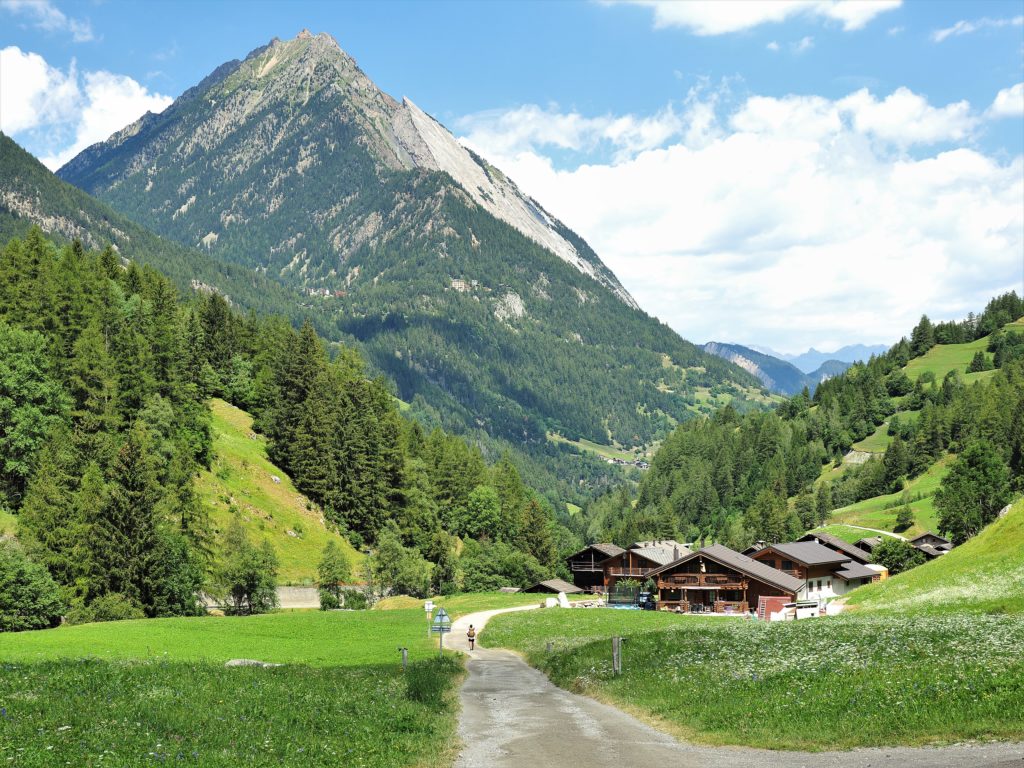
x=250 y=663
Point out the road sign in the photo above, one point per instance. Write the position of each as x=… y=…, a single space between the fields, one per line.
x=442 y=622
x=428 y=606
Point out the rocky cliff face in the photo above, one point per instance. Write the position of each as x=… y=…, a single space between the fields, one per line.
x=304 y=101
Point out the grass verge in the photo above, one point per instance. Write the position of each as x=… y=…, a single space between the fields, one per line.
x=834 y=683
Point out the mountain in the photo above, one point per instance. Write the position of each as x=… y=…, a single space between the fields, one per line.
x=812 y=359
x=31 y=195
x=488 y=313
x=775 y=374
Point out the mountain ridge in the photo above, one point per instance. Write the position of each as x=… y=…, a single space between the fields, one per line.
x=487 y=312
x=775 y=374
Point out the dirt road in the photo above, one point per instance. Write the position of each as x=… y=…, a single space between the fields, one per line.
x=514 y=717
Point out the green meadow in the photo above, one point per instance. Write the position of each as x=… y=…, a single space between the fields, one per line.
x=153 y=691
x=881 y=511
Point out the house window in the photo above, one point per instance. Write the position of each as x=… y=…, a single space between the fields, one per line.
x=829 y=584
x=770 y=562
x=787 y=565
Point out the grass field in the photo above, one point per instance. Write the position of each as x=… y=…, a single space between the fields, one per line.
x=983 y=575
x=872 y=513
x=459 y=605
x=155 y=691
x=241 y=474
x=8 y=524
x=604 y=451
x=876 y=442
x=846 y=532
x=943 y=358
x=822 y=684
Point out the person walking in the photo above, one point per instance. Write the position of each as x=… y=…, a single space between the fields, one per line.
x=471 y=637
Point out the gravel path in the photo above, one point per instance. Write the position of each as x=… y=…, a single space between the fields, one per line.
x=514 y=717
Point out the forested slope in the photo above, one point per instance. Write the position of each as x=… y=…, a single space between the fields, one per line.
x=773 y=475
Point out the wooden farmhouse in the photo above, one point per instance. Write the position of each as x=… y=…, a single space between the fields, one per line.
x=639 y=560
x=721 y=580
x=823 y=572
x=868 y=544
x=587 y=565
x=931 y=544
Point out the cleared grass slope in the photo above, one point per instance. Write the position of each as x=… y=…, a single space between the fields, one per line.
x=983 y=575
x=243 y=476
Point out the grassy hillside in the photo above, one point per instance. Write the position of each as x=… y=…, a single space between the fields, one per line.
x=986 y=575
x=8 y=524
x=241 y=475
x=847 y=532
x=942 y=358
x=880 y=511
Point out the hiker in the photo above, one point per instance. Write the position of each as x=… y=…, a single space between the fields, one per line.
x=471 y=636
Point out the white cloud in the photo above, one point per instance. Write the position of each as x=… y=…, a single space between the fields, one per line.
x=714 y=17
x=803 y=44
x=47 y=17
x=964 y=27
x=772 y=46
x=62 y=113
x=905 y=118
x=1009 y=102
x=793 y=222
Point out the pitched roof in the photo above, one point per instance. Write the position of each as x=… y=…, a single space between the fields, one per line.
x=834 y=542
x=553 y=585
x=743 y=564
x=664 y=543
x=809 y=553
x=608 y=550
x=871 y=541
x=929 y=533
x=855 y=571
x=660 y=555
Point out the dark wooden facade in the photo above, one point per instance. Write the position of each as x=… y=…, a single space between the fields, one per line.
x=587 y=566
x=720 y=580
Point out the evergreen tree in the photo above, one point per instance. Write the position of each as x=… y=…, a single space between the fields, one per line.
x=970 y=496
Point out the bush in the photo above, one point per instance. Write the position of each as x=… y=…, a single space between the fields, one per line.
x=354 y=600
x=427 y=682
x=29 y=597
x=110 y=607
x=897 y=555
x=328 y=600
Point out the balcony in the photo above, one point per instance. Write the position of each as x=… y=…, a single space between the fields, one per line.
x=634 y=573
x=717 y=580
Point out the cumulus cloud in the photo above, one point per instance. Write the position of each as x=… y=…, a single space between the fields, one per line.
x=1009 y=102
x=61 y=113
x=796 y=221
x=713 y=17
x=43 y=15
x=964 y=27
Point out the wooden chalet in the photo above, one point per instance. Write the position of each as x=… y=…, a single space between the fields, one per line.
x=721 y=580
x=868 y=544
x=931 y=544
x=838 y=545
x=638 y=561
x=823 y=572
x=586 y=566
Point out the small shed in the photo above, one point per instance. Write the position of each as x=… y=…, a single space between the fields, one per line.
x=554 y=586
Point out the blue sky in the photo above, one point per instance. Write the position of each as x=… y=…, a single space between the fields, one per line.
x=766 y=106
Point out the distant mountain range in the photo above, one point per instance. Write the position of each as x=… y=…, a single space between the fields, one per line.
x=812 y=359
x=774 y=373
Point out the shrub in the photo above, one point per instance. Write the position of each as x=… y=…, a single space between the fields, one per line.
x=354 y=600
x=29 y=597
x=328 y=600
x=427 y=681
x=897 y=555
x=247 y=576
x=110 y=607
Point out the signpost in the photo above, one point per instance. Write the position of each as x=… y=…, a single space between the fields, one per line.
x=428 y=606
x=442 y=623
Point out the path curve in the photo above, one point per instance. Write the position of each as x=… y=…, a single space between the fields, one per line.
x=514 y=717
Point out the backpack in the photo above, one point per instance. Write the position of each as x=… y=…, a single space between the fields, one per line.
x=471 y=633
